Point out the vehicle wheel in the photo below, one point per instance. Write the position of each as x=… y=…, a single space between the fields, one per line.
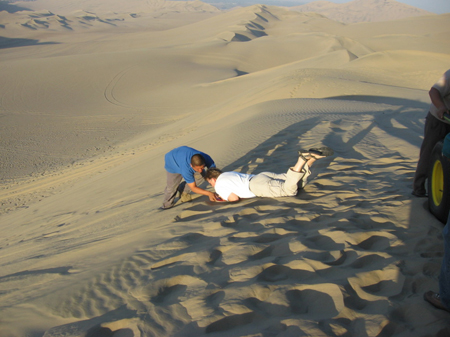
x=439 y=184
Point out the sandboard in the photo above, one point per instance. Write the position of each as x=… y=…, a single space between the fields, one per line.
x=213 y=203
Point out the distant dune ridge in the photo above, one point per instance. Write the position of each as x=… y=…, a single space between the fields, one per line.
x=94 y=94
x=107 y=6
x=67 y=15
x=362 y=10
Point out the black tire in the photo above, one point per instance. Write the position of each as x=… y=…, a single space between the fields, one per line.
x=439 y=184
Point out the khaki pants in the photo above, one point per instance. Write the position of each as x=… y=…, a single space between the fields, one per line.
x=272 y=185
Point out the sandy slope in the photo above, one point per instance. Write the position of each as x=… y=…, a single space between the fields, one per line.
x=88 y=115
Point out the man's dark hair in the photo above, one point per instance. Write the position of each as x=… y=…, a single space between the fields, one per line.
x=197 y=160
x=213 y=173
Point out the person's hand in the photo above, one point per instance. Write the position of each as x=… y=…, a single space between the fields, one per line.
x=441 y=111
x=212 y=197
x=215 y=197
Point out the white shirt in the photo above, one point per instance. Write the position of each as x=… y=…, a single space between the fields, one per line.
x=234 y=182
x=443 y=86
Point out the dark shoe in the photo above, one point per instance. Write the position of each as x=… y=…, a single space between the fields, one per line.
x=419 y=194
x=321 y=152
x=434 y=299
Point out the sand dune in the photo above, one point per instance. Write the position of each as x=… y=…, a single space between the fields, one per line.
x=89 y=112
x=363 y=10
x=130 y=6
x=36 y=17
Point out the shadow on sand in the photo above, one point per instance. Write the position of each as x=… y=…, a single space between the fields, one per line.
x=11 y=8
x=6 y=42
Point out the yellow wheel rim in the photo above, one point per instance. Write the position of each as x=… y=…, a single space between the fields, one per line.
x=437 y=184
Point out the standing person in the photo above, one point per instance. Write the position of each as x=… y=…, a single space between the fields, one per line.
x=232 y=186
x=436 y=128
x=185 y=163
x=441 y=300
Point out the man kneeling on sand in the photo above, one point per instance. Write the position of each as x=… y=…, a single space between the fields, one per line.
x=232 y=186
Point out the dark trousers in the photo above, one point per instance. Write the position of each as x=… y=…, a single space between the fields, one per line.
x=444 y=277
x=174 y=185
x=434 y=131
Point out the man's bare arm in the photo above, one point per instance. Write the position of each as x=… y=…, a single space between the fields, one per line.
x=201 y=191
x=438 y=102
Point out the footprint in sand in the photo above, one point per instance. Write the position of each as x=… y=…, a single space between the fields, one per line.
x=374 y=242
x=233 y=321
x=168 y=295
x=314 y=303
x=432 y=269
x=372 y=261
x=267 y=309
x=277 y=273
x=344 y=257
x=267 y=252
x=214 y=300
x=353 y=301
x=428 y=247
x=214 y=256
x=242 y=224
x=378 y=284
x=269 y=237
x=323 y=242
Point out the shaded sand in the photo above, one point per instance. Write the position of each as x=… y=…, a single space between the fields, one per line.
x=88 y=115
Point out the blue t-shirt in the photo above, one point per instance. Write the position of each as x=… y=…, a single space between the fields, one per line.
x=179 y=161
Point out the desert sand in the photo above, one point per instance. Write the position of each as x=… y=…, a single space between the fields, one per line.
x=89 y=105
